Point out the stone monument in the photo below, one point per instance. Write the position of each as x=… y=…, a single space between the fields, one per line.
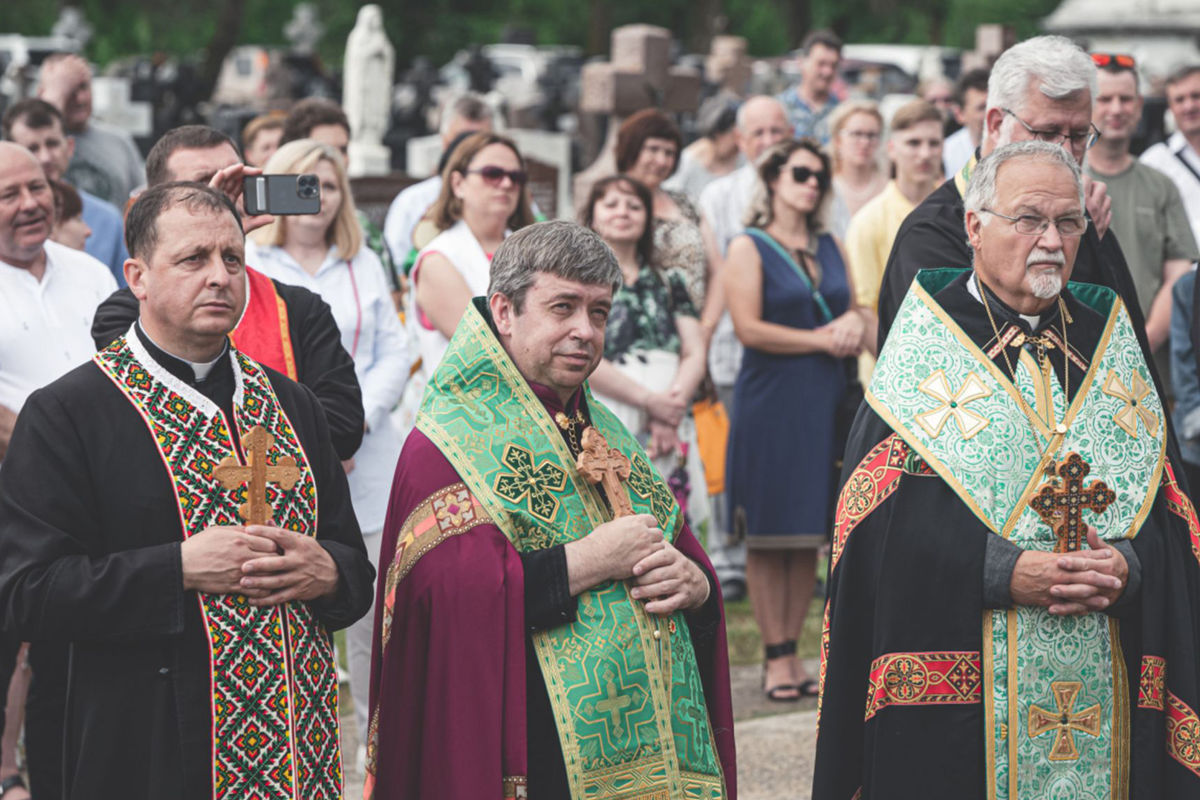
x=367 y=92
x=304 y=30
x=73 y=26
x=639 y=76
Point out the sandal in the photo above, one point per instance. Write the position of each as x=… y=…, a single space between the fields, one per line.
x=776 y=693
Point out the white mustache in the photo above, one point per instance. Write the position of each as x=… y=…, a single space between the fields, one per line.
x=1038 y=255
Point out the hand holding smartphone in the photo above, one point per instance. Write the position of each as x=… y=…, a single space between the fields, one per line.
x=281 y=194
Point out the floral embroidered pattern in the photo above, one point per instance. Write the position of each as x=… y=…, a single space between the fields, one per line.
x=1152 y=685
x=919 y=679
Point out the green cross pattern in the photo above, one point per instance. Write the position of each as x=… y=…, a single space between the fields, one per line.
x=642 y=482
x=532 y=484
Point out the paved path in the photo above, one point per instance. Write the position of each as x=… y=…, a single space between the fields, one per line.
x=775 y=741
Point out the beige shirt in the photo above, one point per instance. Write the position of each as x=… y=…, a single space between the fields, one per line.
x=869 y=241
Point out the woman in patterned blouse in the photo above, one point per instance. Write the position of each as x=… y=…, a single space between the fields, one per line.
x=654 y=355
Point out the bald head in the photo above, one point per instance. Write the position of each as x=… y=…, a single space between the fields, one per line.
x=761 y=123
x=26 y=208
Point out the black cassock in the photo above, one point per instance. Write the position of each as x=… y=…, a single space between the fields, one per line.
x=90 y=555
x=910 y=578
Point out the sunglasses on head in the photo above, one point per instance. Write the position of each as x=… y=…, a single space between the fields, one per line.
x=1113 y=59
x=802 y=174
x=494 y=176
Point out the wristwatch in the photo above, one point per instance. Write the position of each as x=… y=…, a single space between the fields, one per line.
x=11 y=782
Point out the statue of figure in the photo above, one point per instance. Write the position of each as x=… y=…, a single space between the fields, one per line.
x=72 y=25
x=367 y=91
x=304 y=30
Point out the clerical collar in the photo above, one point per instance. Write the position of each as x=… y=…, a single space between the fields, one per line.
x=200 y=369
x=973 y=288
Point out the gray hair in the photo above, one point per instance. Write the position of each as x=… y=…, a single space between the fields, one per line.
x=749 y=104
x=981 y=189
x=470 y=106
x=559 y=247
x=1058 y=65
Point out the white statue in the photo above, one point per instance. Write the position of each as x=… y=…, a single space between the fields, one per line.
x=367 y=92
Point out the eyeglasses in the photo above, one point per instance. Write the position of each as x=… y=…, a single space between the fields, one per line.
x=494 y=176
x=1114 y=59
x=1079 y=139
x=1036 y=225
x=803 y=174
x=865 y=136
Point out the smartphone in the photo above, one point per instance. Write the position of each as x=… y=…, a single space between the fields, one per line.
x=282 y=194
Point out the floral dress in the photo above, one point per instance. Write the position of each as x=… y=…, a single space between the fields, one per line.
x=643 y=315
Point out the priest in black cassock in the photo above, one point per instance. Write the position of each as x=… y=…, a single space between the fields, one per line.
x=1042 y=88
x=201 y=662
x=1014 y=599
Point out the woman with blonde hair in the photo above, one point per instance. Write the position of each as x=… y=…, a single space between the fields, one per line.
x=856 y=129
x=325 y=253
x=792 y=303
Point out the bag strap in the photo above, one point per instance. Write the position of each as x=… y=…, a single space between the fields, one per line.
x=1187 y=164
x=766 y=238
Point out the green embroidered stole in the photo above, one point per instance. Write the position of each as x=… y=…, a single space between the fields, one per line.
x=274 y=688
x=948 y=400
x=629 y=707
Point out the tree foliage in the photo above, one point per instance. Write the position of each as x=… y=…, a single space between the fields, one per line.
x=438 y=28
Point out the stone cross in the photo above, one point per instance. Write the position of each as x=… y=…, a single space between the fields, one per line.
x=598 y=463
x=1060 y=502
x=1063 y=721
x=73 y=25
x=232 y=474
x=304 y=30
x=639 y=75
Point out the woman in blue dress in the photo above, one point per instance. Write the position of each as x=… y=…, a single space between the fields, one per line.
x=791 y=301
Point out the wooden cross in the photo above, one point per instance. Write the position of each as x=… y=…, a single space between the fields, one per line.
x=1060 y=502
x=232 y=474
x=613 y=704
x=1063 y=722
x=598 y=463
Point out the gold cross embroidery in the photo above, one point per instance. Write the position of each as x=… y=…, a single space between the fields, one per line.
x=614 y=705
x=969 y=422
x=1135 y=407
x=1063 y=722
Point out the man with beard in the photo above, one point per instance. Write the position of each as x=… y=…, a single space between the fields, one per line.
x=1015 y=571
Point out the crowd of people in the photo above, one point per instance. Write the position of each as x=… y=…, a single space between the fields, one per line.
x=484 y=444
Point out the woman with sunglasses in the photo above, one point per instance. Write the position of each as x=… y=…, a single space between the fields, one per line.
x=856 y=129
x=326 y=253
x=654 y=354
x=792 y=304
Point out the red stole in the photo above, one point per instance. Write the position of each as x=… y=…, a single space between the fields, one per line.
x=263 y=331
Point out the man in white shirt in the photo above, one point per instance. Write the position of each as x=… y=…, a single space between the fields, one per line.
x=106 y=161
x=762 y=122
x=48 y=292
x=970 y=100
x=1179 y=157
x=468 y=113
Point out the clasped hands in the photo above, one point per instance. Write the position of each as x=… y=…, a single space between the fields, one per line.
x=268 y=565
x=844 y=336
x=633 y=548
x=1080 y=582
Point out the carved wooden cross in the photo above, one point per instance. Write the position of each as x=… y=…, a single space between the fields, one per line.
x=1063 y=722
x=232 y=474
x=1060 y=502
x=607 y=466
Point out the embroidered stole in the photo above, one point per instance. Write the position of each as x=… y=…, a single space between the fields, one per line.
x=274 y=687
x=629 y=707
x=1055 y=688
x=263 y=332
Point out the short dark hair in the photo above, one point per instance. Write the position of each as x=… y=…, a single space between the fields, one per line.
x=32 y=113
x=624 y=183
x=308 y=114
x=975 y=79
x=67 y=203
x=1182 y=74
x=823 y=37
x=649 y=123
x=141 y=223
x=185 y=137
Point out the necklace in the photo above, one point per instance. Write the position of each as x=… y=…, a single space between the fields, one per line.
x=567 y=424
x=1059 y=430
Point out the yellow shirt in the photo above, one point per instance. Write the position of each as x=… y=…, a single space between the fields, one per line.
x=868 y=245
x=869 y=241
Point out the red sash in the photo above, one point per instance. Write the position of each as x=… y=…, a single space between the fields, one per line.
x=263 y=332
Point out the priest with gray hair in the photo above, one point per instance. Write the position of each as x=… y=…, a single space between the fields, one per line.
x=1014 y=590
x=1039 y=90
